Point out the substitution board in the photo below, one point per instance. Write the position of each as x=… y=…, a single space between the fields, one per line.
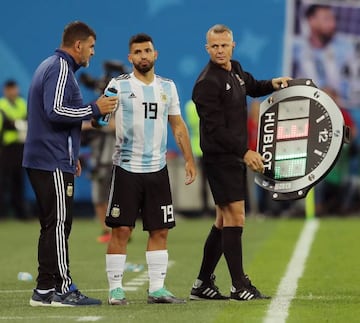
x=300 y=136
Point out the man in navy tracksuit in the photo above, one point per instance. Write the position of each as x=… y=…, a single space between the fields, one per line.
x=55 y=114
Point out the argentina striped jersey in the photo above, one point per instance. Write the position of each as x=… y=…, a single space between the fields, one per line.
x=141 y=122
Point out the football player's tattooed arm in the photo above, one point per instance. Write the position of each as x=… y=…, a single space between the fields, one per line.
x=182 y=139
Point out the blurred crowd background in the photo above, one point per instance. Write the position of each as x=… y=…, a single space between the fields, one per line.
x=300 y=38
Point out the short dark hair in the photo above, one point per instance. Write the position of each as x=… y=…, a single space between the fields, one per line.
x=311 y=10
x=140 y=38
x=74 y=31
x=10 y=83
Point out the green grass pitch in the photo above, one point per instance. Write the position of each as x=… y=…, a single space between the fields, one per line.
x=328 y=291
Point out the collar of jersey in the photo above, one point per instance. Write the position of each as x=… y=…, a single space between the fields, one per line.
x=139 y=82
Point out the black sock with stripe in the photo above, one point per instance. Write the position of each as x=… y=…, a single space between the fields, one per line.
x=232 y=248
x=211 y=255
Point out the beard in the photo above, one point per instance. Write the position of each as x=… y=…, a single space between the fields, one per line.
x=84 y=63
x=326 y=38
x=143 y=69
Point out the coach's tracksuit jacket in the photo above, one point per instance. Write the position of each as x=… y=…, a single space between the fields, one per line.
x=55 y=113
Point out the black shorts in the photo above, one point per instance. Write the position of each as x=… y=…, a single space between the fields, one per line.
x=146 y=195
x=227 y=180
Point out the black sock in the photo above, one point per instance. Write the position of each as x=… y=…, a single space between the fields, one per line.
x=232 y=247
x=211 y=255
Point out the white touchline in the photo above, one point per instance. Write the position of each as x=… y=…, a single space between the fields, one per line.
x=279 y=307
x=88 y=318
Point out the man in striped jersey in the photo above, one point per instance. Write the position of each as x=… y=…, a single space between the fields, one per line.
x=140 y=182
x=55 y=114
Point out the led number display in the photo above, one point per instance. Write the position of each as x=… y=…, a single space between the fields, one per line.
x=301 y=132
x=290 y=129
x=290 y=168
x=291 y=149
x=294 y=109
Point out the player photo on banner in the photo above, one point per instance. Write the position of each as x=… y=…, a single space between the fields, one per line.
x=323 y=43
